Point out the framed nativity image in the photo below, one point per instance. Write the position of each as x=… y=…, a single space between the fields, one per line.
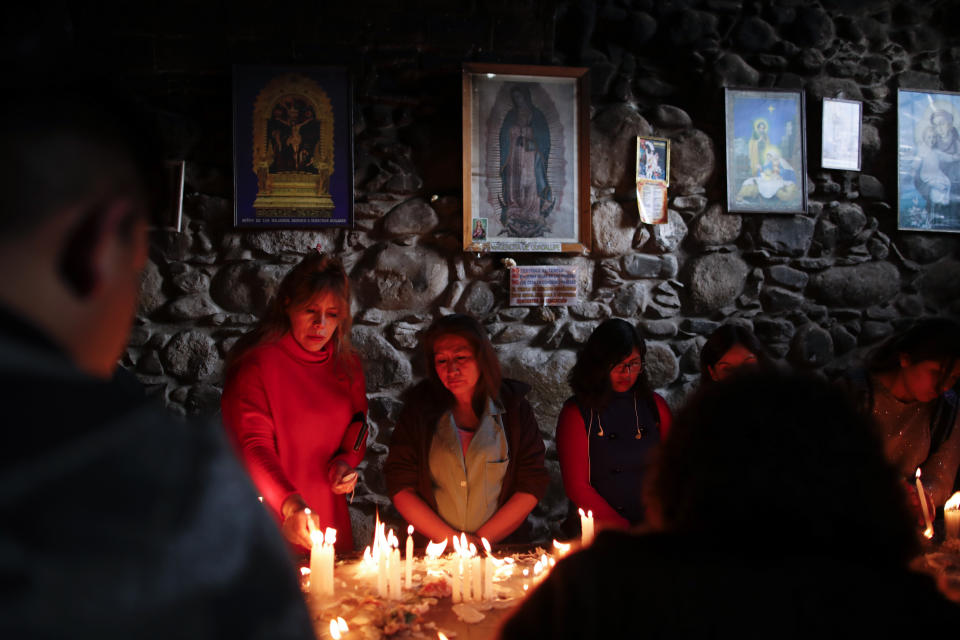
x=928 y=161
x=526 y=153
x=765 y=151
x=293 y=147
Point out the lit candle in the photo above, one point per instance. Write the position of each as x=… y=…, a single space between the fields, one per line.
x=327 y=560
x=488 y=570
x=468 y=575
x=923 y=503
x=951 y=516
x=477 y=572
x=457 y=571
x=586 y=527
x=395 y=570
x=562 y=548
x=409 y=558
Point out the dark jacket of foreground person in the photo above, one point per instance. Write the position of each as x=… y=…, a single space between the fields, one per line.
x=665 y=586
x=121 y=521
x=774 y=514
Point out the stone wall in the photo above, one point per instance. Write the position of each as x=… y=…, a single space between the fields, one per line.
x=818 y=289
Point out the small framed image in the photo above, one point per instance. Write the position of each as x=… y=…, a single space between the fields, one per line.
x=653 y=178
x=526 y=153
x=840 y=134
x=928 y=161
x=765 y=151
x=293 y=147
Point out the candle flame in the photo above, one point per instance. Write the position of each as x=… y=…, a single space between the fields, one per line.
x=334 y=630
x=316 y=537
x=928 y=533
x=562 y=548
x=342 y=624
x=331 y=536
x=440 y=636
x=260 y=498
x=590 y=514
x=304 y=571
x=456 y=546
x=486 y=546
x=473 y=549
x=410 y=530
x=954 y=502
x=582 y=514
x=435 y=549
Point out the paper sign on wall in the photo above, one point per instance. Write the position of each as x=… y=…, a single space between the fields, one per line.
x=543 y=286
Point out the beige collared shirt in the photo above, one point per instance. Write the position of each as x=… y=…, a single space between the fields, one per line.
x=466 y=488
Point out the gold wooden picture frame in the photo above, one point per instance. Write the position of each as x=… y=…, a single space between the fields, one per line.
x=526 y=159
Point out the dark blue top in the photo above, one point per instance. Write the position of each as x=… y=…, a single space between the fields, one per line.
x=618 y=458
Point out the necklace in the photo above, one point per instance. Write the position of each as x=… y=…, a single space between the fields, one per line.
x=636 y=415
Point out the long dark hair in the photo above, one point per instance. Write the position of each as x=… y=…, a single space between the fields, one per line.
x=721 y=341
x=316 y=273
x=488 y=385
x=927 y=339
x=609 y=344
x=769 y=455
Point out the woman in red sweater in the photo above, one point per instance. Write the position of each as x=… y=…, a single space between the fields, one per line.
x=609 y=429
x=295 y=402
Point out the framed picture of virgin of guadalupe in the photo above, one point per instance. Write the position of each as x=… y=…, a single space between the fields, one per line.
x=526 y=153
x=765 y=151
x=293 y=147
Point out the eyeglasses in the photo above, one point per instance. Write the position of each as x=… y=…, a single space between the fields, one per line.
x=627 y=367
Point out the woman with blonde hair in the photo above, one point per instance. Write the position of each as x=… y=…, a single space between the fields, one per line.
x=295 y=401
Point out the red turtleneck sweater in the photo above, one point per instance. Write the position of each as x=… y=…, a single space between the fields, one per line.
x=289 y=410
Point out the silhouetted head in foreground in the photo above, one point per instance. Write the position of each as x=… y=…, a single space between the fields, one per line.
x=778 y=458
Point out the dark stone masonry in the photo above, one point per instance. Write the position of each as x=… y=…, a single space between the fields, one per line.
x=818 y=289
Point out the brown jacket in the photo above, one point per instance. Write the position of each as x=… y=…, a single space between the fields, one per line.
x=407 y=468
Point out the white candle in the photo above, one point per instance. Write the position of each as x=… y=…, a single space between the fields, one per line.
x=316 y=562
x=467 y=578
x=409 y=558
x=923 y=503
x=395 y=573
x=476 y=570
x=457 y=572
x=586 y=527
x=488 y=570
x=327 y=560
x=382 y=573
x=951 y=516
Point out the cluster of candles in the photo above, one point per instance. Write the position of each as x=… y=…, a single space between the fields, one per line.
x=472 y=580
x=321 y=559
x=383 y=556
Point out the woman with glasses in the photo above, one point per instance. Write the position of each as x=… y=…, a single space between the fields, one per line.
x=466 y=454
x=608 y=430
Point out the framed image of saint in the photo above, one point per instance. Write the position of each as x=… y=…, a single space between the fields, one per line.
x=526 y=152
x=293 y=147
x=765 y=151
x=928 y=161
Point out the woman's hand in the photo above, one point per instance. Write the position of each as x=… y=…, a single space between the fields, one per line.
x=297 y=522
x=342 y=477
